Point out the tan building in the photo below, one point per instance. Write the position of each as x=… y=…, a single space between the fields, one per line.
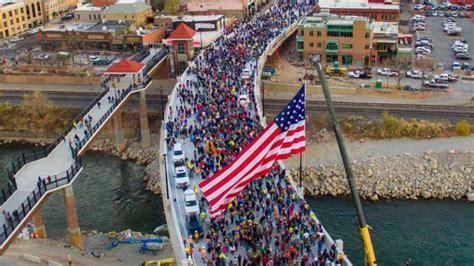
x=362 y=8
x=230 y=8
x=347 y=40
x=18 y=17
x=136 y=13
x=88 y=13
x=55 y=8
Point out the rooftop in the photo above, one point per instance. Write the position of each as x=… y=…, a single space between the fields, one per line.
x=91 y=27
x=134 y=7
x=183 y=31
x=356 y=4
x=202 y=6
x=125 y=66
x=82 y=26
x=323 y=19
x=88 y=7
x=109 y=26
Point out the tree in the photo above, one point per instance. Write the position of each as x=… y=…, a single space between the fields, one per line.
x=463 y=128
x=424 y=65
x=171 y=7
x=38 y=112
x=400 y=64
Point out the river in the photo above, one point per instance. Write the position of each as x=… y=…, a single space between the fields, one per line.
x=110 y=195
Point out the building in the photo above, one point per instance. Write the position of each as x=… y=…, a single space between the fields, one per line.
x=55 y=8
x=102 y=3
x=198 y=23
x=136 y=13
x=347 y=40
x=362 y=8
x=182 y=48
x=19 y=16
x=385 y=42
x=99 y=36
x=230 y=8
x=88 y=13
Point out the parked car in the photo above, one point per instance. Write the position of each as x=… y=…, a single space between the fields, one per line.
x=191 y=205
x=456 y=66
x=434 y=84
x=445 y=77
x=418 y=28
x=460 y=49
x=414 y=74
x=410 y=88
x=182 y=178
x=67 y=17
x=463 y=56
x=386 y=72
x=422 y=50
x=178 y=152
x=360 y=74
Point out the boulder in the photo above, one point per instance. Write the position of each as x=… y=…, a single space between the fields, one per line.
x=426 y=194
x=470 y=196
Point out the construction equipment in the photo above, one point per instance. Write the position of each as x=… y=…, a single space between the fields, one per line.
x=335 y=70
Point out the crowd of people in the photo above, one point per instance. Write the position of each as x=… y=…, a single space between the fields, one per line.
x=268 y=223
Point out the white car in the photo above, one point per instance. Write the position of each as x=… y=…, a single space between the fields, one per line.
x=191 y=205
x=460 y=50
x=244 y=100
x=182 y=178
x=414 y=74
x=178 y=152
x=418 y=28
x=386 y=72
x=422 y=50
x=246 y=73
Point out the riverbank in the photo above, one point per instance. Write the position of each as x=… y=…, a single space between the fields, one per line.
x=392 y=169
x=97 y=251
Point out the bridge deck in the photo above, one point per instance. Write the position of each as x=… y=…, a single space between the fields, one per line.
x=63 y=156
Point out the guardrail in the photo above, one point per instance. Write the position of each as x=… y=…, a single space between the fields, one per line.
x=13 y=220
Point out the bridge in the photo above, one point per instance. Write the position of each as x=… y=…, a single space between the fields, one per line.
x=191 y=82
x=36 y=174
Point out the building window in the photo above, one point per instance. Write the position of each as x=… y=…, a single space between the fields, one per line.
x=10 y=13
x=311 y=33
x=78 y=16
x=311 y=44
x=181 y=67
x=17 y=20
x=90 y=17
x=346 y=46
x=38 y=7
x=319 y=45
x=300 y=45
x=347 y=59
x=331 y=46
x=4 y=16
x=366 y=47
x=345 y=34
x=319 y=33
x=331 y=58
x=16 y=11
x=367 y=35
x=181 y=48
x=22 y=10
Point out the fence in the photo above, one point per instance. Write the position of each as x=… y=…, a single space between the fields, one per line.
x=13 y=220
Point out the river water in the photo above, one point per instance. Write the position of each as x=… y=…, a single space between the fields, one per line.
x=110 y=195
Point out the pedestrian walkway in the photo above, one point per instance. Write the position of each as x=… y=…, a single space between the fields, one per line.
x=213 y=113
x=50 y=168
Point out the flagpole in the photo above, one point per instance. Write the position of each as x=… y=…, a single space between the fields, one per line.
x=364 y=228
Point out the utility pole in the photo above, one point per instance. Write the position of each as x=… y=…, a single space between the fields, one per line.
x=364 y=228
x=162 y=104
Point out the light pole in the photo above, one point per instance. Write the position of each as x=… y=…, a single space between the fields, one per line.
x=166 y=174
x=162 y=104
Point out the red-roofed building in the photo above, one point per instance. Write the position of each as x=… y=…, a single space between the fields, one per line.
x=182 y=48
x=125 y=66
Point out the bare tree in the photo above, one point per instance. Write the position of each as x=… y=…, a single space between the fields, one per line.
x=400 y=64
x=424 y=65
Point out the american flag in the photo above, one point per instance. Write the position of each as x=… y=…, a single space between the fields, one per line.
x=282 y=138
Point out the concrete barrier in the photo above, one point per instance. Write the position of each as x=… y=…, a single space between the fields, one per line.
x=31 y=258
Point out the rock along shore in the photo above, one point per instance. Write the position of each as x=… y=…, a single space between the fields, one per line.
x=447 y=175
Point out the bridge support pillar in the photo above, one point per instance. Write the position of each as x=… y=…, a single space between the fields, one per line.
x=119 y=138
x=144 y=128
x=75 y=237
x=40 y=229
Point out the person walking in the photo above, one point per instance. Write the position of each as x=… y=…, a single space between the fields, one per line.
x=69 y=259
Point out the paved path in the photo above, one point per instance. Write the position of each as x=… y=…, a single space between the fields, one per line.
x=60 y=159
x=328 y=153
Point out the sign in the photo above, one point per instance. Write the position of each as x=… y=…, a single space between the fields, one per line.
x=204 y=26
x=95 y=37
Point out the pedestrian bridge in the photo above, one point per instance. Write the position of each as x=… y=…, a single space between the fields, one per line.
x=35 y=174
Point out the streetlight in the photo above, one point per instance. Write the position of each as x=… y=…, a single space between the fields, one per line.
x=162 y=104
x=166 y=174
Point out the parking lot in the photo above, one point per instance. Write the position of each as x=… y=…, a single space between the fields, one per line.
x=442 y=52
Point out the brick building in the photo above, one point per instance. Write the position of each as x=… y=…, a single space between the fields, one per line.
x=182 y=48
x=363 y=8
x=347 y=40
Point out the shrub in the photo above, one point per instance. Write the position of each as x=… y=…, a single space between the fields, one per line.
x=463 y=128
